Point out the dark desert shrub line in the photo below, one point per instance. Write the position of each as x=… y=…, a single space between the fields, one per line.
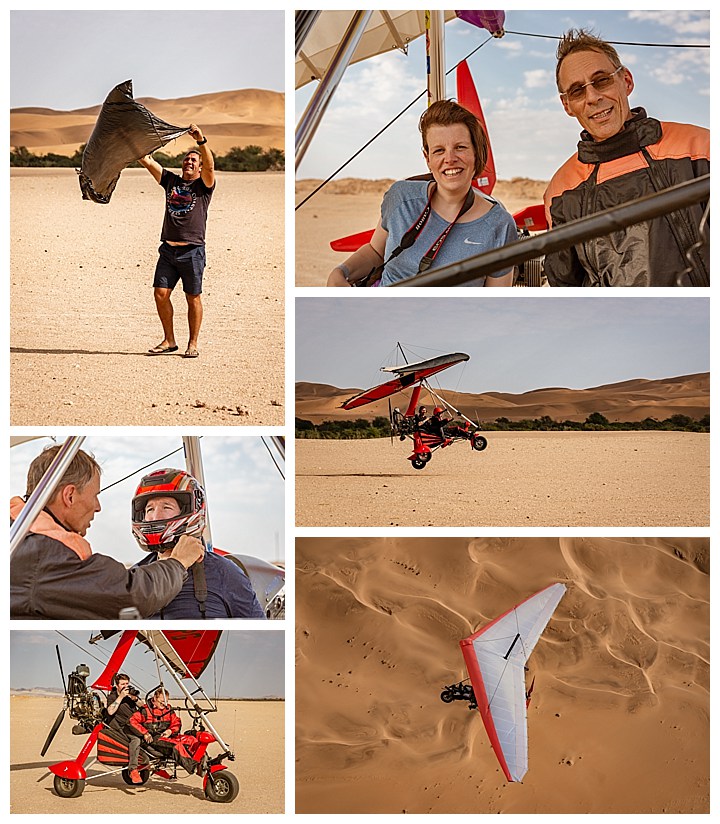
x=596 y=422
x=238 y=159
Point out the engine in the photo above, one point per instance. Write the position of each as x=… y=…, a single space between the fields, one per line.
x=84 y=705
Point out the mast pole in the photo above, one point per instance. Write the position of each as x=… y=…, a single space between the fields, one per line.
x=193 y=461
x=435 y=55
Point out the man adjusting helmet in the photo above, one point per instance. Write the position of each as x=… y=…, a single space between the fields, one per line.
x=168 y=504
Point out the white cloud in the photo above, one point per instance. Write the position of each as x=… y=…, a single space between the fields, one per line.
x=677 y=22
x=537 y=78
x=515 y=47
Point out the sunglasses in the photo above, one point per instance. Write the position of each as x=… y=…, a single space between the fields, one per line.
x=601 y=83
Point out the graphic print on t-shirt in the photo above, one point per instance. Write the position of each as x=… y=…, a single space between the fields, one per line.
x=180 y=200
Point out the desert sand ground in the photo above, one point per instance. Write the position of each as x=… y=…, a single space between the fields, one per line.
x=254 y=729
x=619 y=716
x=521 y=479
x=83 y=316
x=347 y=206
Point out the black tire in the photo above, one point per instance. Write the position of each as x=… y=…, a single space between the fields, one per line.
x=68 y=787
x=222 y=787
x=418 y=463
x=478 y=443
x=447 y=696
x=144 y=774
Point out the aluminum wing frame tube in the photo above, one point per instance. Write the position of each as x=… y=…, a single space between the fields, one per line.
x=193 y=461
x=189 y=695
x=304 y=21
x=439 y=397
x=279 y=444
x=320 y=100
x=44 y=490
x=566 y=235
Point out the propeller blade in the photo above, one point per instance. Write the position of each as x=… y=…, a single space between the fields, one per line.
x=53 y=731
x=392 y=424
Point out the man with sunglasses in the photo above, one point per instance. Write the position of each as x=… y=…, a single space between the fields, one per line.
x=622 y=155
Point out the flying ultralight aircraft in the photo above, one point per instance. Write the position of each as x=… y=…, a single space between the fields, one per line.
x=427 y=435
x=183 y=655
x=496 y=656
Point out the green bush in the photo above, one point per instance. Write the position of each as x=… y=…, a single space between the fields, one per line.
x=238 y=159
x=595 y=422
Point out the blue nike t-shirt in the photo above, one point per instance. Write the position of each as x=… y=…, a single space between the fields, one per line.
x=403 y=204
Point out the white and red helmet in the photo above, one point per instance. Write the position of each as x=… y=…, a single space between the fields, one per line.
x=157 y=536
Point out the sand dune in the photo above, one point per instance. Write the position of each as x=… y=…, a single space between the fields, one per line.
x=350 y=205
x=627 y=479
x=254 y=729
x=632 y=400
x=619 y=719
x=231 y=118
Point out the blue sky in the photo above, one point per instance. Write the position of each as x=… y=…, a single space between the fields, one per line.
x=71 y=59
x=515 y=77
x=246 y=664
x=515 y=344
x=245 y=491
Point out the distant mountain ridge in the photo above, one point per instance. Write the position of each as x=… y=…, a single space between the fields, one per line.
x=229 y=118
x=630 y=400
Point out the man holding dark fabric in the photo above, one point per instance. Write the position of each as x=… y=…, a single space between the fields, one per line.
x=622 y=155
x=182 y=252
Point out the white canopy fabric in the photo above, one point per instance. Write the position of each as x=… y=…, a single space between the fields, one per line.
x=495 y=656
x=386 y=30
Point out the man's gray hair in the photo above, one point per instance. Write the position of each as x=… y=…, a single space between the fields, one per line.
x=81 y=471
x=577 y=40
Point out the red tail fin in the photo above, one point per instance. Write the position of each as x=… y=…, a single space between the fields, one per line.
x=468 y=97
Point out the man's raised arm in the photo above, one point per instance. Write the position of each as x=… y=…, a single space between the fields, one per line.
x=207 y=171
x=152 y=166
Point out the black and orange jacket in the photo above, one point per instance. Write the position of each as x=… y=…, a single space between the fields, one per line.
x=54 y=574
x=646 y=157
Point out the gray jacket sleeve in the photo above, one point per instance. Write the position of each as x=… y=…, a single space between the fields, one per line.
x=153 y=586
x=49 y=581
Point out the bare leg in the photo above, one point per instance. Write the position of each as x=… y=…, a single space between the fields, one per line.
x=195 y=315
x=165 y=312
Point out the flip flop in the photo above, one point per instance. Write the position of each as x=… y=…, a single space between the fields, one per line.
x=162 y=350
x=191 y=352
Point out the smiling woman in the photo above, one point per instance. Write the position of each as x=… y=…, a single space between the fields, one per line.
x=418 y=215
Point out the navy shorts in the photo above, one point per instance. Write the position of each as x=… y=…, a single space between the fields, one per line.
x=186 y=263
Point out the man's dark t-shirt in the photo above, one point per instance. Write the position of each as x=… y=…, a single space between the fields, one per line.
x=120 y=718
x=186 y=208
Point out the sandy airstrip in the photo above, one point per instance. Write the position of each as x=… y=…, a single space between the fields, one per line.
x=521 y=479
x=254 y=729
x=83 y=317
x=619 y=716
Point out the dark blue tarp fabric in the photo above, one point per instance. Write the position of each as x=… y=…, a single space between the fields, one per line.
x=124 y=132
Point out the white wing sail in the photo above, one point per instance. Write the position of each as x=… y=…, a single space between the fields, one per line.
x=495 y=657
